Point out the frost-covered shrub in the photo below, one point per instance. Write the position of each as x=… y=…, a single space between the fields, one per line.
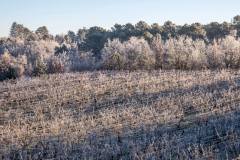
x=185 y=53
x=17 y=70
x=10 y=67
x=81 y=61
x=5 y=63
x=113 y=55
x=224 y=53
x=157 y=46
x=199 y=57
x=138 y=54
x=178 y=52
x=44 y=48
x=175 y=53
x=18 y=47
x=114 y=61
x=230 y=47
x=74 y=59
x=14 y=46
x=132 y=54
x=215 y=56
x=56 y=64
x=39 y=66
x=31 y=51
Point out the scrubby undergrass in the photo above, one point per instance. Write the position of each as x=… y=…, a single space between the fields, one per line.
x=122 y=115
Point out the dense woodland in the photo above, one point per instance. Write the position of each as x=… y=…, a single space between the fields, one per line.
x=123 y=47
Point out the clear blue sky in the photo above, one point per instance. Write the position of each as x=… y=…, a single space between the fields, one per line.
x=63 y=15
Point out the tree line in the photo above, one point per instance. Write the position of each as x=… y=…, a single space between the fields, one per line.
x=94 y=38
x=139 y=46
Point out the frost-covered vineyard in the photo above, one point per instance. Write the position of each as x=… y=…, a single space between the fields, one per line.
x=122 y=115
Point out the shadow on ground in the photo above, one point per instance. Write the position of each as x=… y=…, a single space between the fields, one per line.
x=214 y=136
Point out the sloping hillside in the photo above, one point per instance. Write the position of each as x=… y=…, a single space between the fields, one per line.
x=122 y=115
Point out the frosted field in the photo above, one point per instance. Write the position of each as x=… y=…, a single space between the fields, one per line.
x=122 y=115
